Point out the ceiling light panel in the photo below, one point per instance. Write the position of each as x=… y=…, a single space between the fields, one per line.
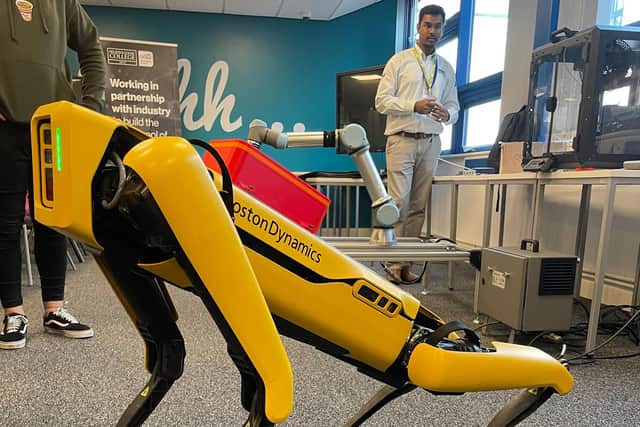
x=211 y=6
x=349 y=6
x=252 y=7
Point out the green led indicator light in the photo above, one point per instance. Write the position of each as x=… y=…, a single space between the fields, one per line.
x=58 y=150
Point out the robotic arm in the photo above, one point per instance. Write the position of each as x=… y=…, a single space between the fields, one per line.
x=353 y=138
x=132 y=200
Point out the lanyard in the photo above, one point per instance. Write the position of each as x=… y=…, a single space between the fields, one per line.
x=431 y=79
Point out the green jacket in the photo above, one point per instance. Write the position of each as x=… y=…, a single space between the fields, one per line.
x=34 y=36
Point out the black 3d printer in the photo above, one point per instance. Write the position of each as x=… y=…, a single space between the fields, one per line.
x=584 y=100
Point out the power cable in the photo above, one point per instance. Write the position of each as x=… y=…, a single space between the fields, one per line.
x=590 y=352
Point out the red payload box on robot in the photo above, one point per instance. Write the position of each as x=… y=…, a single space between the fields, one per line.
x=266 y=180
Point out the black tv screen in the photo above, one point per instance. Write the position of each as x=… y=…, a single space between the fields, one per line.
x=356 y=93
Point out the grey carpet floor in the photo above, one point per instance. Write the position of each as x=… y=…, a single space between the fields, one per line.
x=65 y=382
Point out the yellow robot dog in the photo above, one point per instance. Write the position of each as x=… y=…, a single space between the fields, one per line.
x=131 y=198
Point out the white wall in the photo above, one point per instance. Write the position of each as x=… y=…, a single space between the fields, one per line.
x=520 y=32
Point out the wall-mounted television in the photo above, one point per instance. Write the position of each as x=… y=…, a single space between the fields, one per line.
x=356 y=93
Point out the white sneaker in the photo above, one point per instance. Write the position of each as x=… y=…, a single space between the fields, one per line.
x=63 y=323
x=14 y=331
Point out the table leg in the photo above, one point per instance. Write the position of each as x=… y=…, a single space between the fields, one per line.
x=425 y=279
x=427 y=223
x=357 y=224
x=636 y=292
x=503 y=209
x=581 y=235
x=340 y=190
x=486 y=237
x=488 y=207
x=347 y=211
x=453 y=227
x=536 y=221
x=601 y=264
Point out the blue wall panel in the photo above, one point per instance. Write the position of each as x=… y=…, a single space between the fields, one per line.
x=278 y=70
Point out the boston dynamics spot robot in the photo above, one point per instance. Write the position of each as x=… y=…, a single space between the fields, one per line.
x=132 y=199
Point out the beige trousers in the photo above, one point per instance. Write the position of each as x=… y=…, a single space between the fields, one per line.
x=411 y=164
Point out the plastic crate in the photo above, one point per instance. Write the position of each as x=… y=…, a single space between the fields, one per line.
x=266 y=180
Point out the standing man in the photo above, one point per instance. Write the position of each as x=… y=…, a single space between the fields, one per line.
x=418 y=94
x=34 y=37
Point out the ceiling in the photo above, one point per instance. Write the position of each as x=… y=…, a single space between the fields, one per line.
x=293 y=9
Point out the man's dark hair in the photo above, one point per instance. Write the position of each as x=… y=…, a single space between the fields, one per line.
x=432 y=9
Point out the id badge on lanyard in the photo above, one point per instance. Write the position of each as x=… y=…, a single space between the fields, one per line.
x=429 y=79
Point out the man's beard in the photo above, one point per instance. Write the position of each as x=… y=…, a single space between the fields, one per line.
x=427 y=46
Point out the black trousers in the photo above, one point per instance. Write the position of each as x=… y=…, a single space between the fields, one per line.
x=49 y=246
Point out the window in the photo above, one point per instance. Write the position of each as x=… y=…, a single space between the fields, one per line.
x=482 y=124
x=489 y=38
x=449 y=51
x=629 y=12
x=618 y=12
x=473 y=42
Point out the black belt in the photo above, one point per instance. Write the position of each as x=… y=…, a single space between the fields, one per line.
x=416 y=135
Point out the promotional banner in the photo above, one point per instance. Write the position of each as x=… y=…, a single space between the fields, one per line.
x=142 y=84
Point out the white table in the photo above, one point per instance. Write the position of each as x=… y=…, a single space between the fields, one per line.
x=610 y=178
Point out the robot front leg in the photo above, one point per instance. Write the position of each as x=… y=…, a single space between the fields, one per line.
x=451 y=360
x=147 y=303
x=212 y=260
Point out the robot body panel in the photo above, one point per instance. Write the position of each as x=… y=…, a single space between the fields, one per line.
x=291 y=243
x=430 y=367
x=170 y=271
x=62 y=199
x=211 y=250
x=326 y=308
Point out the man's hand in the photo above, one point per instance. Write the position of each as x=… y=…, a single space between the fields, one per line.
x=425 y=106
x=2 y=118
x=439 y=113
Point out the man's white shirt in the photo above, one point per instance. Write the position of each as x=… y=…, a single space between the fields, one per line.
x=403 y=83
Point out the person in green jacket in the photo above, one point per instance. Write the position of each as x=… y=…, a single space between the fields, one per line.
x=34 y=38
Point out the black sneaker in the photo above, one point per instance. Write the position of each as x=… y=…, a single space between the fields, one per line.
x=63 y=323
x=14 y=331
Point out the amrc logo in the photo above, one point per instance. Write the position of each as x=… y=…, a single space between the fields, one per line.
x=273 y=229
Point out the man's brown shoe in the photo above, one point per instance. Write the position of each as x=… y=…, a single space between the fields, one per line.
x=401 y=276
x=408 y=275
